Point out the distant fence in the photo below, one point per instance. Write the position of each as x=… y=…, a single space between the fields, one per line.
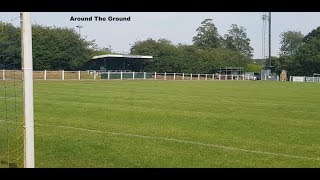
x=304 y=79
x=95 y=75
x=110 y=75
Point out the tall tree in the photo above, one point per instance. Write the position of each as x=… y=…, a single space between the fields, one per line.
x=10 y=46
x=253 y=67
x=307 y=58
x=53 y=48
x=59 y=48
x=237 y=40
x=186 y=58
x=207 y=35
x=290 y=42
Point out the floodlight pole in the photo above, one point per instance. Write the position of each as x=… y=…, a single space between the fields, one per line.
x=79 y=27
x=270 y=40
x=27 y=90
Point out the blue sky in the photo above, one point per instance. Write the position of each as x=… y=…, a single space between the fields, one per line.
x=178 y=27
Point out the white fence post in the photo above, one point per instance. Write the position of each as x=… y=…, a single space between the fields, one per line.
x=231 y=76
x=45 y=75
x=219 y=77
x=198 y=76
x=62 y=74
x=109 y=74
x=144 y=75
x=206 y=76
x=212 y=76
x=226 y=78
x=132 y=75
x=165 y=76
x=3 y=75
x=79 y=76
x=155 y=75
x=182 y=76
x=191 y=76
x=174 y=76
x=94 y=75
x=121 y=75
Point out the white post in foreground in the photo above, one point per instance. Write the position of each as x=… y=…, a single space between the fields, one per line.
x=28 y=90
x=45 y=75
x=132 y=75
x=231 y=76
x=212 y=76
x=120 y=75
x=109 y=74
x=182 y=76
x=198 y=76
x=3 y=75
x=79 y=77
x=174 y=76
x=206 y=76
x=219 y=77
x=144 y=75
x=155 y=75
x=62 y=74
x=191 y=76
x=94 y=75
x=165 y=76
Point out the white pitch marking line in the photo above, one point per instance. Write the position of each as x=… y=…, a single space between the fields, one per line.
x=185 y=141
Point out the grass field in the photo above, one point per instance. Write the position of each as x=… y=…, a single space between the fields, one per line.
x=177 y=124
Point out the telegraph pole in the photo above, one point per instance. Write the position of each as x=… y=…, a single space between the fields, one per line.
x=79 y=27
x=270 y=40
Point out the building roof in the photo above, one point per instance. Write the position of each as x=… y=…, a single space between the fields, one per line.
x=122 y=56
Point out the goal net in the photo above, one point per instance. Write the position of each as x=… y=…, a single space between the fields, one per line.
x=16 y=91
x=11 y=92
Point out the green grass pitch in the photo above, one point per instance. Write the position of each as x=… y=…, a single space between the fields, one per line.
x=177 y=124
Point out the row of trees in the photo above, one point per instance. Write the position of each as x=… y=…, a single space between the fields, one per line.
x=208 y=52
x=53 y=48
x=62 y=48
x=56 y=48
x=236 y=40
x=299 y=54
x=186 y=58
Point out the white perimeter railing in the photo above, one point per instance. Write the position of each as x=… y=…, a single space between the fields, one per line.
x=304 y=79
x=109 y=75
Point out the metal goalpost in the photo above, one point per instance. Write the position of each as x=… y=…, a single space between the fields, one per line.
x=27 y=67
